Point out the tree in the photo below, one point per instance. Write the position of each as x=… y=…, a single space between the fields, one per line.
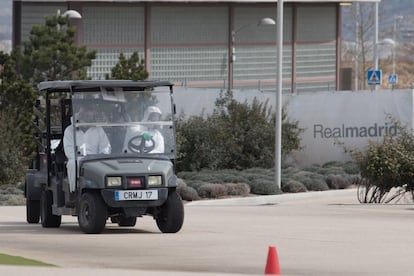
x=16 y=104
x=235 y=136
x=132 y=68
x=51 y=54
x=362 y=18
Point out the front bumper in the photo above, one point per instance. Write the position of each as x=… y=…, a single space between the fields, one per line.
x=108 y=196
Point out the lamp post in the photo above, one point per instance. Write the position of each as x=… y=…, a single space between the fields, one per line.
x=397 y=18
x=391 y=42
x=279 y=77
x=357 y=48
x=72 y=14
x=262 y=22
x=376 y=40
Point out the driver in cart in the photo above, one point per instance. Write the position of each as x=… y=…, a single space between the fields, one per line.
x=89 y=140
x=147 y=138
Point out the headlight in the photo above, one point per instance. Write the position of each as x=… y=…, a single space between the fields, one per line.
x=113 y=181
x=154 y=180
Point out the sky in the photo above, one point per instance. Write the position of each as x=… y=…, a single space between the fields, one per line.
x=5 y=25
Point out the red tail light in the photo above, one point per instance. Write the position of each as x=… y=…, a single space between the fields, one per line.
x=134 y=182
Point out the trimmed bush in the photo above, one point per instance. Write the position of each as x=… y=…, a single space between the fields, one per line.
x=351 y=168
x=293 y=186
x=263 y=186
x=338 y=181
x=10 y=195
x=312 y=181
x=188 y=193
x=211 y=190
x=237 y=189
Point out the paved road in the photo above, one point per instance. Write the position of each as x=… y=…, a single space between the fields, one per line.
x=321 y=233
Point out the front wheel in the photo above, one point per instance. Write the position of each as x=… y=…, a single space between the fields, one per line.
x=171 y=216
x=92 y=213
x=48 y=219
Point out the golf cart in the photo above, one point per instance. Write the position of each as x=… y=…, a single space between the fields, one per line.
x=135 y=177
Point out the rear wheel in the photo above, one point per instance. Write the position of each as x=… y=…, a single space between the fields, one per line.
x=92 y=213
x=48 y=220
x=171 y=216
x=32 y=211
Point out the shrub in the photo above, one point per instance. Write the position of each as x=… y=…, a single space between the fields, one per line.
x=263 y=186
x=228 y=177
x=293 y=186
x=237 y=189
x=389 y=163
x=312 y=181
x=13 y=161
x=11 y=195
x=335 y=181
x=188 y=193
x=351 y=168
x=211 y=190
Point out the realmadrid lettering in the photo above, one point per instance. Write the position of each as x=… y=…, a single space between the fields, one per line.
x=344 y=131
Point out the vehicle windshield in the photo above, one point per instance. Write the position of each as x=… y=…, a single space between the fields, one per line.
x=129 y=121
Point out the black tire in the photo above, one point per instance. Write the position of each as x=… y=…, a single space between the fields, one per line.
x=92 y=213
x=170 y=219
x=129 y=221
x=32 y=211
x=47 y=219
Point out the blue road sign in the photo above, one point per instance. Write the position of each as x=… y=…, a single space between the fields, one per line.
x=374 y=77
x=392 y=79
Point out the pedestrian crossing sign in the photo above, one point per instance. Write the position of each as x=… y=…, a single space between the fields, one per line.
x=392 y=79
x=374 y=77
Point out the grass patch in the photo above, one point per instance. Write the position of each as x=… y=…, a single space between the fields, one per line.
x=17 y=260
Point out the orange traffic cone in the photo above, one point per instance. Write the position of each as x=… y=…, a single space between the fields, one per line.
x=272 y=264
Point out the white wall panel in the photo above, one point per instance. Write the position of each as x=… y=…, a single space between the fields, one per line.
x=316 y=23
x=113 y=25
x=33 y=14
x=189 y=64
x=106 y=59
x=187 y=24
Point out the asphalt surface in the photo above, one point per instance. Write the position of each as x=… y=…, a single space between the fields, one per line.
x=315 y=233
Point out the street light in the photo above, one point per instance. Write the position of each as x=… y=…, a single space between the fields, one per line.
x=397 y=18
x=376 y=40
x=391 y=42
x=70 y=13
x=279 y=78
x=262 y=22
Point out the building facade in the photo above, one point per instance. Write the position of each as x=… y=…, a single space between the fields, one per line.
x=190 y=42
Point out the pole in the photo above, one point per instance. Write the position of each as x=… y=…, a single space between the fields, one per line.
x=376 y=40
x=278 y=121
x=232 y=60
x=356 y=48
x=393 y=46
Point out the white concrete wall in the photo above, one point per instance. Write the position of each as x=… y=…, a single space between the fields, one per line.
x=331 y=120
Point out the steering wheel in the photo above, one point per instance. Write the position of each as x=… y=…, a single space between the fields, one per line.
x=137 y=143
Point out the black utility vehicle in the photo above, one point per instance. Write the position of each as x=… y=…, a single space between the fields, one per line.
x=135 y=178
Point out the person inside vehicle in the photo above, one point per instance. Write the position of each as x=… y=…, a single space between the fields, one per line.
x=145 y=138
x=89 y=140
x=153 y=114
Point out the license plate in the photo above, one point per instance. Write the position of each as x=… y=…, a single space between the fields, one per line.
x=136 y=195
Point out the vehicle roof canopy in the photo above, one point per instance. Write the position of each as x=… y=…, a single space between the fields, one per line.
x=80 y=85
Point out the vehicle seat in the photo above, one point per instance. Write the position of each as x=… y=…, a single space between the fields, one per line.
x=60 y=160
